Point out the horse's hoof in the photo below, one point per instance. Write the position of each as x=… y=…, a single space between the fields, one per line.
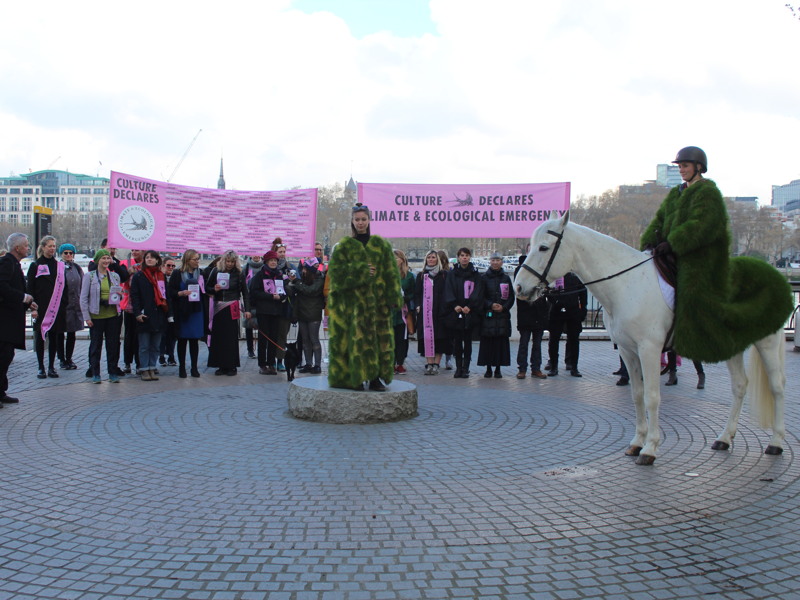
x=633 y=450
x=773 y=450
x=718 y=445
x=645 y=459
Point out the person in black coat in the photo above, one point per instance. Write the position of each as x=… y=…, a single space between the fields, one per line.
x=149 y=309
x=498 y=299
x=270 y=307
x=567 y=312
x=14 y=302
x=48 y=285
x=463 y=299
x=532 y=320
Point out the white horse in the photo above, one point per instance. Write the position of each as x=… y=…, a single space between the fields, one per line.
x=639 y=321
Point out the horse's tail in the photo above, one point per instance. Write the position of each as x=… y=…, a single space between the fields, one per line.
x=762 y=400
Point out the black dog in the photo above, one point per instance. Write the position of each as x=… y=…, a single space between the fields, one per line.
x=291 y=360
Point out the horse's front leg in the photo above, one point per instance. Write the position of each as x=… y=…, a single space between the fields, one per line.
x=652 y=401
x=738 y=387
x=637 y=395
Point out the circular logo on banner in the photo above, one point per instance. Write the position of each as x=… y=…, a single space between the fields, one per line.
x=136 y=223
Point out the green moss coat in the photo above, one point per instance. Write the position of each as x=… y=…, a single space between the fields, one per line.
x=360 y=306
x=722 y=304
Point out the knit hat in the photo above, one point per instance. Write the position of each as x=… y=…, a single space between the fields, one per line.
x=270 y=255
x=311 y=263
x=100 y=254
x=63 y=247
x=496 y=255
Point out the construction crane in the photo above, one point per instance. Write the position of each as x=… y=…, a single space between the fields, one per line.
x=180 y=162
x=50 y=166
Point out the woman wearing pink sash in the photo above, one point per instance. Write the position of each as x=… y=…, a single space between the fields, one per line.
x=433 y=339
x=227 y=287
x=47 y=283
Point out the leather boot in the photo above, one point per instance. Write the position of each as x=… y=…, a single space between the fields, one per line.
x=673 y=378
x=701 y=381
x=459 y=363
x=465 y=370
x=182 y=371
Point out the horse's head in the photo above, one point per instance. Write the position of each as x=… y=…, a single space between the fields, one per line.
x=548 y=259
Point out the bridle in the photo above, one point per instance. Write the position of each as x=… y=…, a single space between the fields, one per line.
x=542 y=277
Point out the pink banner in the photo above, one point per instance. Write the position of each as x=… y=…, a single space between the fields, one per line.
x=153 y=215
x=463 y=211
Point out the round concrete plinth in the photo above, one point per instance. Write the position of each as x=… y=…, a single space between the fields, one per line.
x=311 y=398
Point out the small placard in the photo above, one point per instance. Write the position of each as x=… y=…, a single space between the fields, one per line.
x=194 y=292
x=224 y=280
x=115 y=294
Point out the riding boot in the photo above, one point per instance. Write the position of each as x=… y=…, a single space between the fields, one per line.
x=701 y=381
x=673 y=378
x=459 y=363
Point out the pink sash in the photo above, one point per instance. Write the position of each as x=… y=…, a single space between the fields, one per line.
x=427 y=315
x=55 y=300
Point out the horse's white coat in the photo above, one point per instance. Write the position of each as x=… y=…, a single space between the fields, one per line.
x=638 y=320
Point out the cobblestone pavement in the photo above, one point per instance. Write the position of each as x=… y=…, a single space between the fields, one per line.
x=205 y=488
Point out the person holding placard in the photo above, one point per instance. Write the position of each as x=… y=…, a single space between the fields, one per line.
x=187 y=289
x=148 y=297
x=100 y=296
x=265 y=293
x=227 y=287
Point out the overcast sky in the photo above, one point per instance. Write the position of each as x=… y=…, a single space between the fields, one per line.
x=308 y=92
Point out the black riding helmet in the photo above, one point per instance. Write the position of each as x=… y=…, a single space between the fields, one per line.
x=693 y=154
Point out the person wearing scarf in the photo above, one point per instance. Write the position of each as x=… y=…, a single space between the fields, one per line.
x=149 y=308
x=223 y=351
x=73 y=317
x=48 y=286
x=269 y=306
x=306 y=291
x=251 y=267
x=432 y=337
x=188 y=309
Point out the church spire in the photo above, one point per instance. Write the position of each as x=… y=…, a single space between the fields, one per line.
x=221 y=180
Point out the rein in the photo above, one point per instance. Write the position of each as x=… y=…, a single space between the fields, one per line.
x=543 y=276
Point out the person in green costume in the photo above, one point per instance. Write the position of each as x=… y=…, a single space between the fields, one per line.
x=722 y=304
x=364 y=287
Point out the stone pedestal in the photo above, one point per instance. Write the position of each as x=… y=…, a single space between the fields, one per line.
x=311 y=398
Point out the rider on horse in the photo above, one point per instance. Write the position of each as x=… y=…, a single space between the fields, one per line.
x=722 y=305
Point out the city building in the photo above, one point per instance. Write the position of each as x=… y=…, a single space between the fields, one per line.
x=64 y=192
x=787 y=197
x=668 y=175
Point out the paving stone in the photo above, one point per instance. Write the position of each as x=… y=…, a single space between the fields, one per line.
x=498 y=489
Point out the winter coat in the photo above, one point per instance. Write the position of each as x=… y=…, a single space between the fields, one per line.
x=568 y=304
x=722 y=305
x=307 y=299
x=143 y=301
x=361 y=346
x=263 y=302
x=454 y=296
x=73 y=314
x=12 y=293
x=42 y=288
x=497 y=324
x=237 y=289
x=439 y=309
x=532 y=316
x=407 y=287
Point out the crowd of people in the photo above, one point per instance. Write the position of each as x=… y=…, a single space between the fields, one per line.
x=374 y=302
